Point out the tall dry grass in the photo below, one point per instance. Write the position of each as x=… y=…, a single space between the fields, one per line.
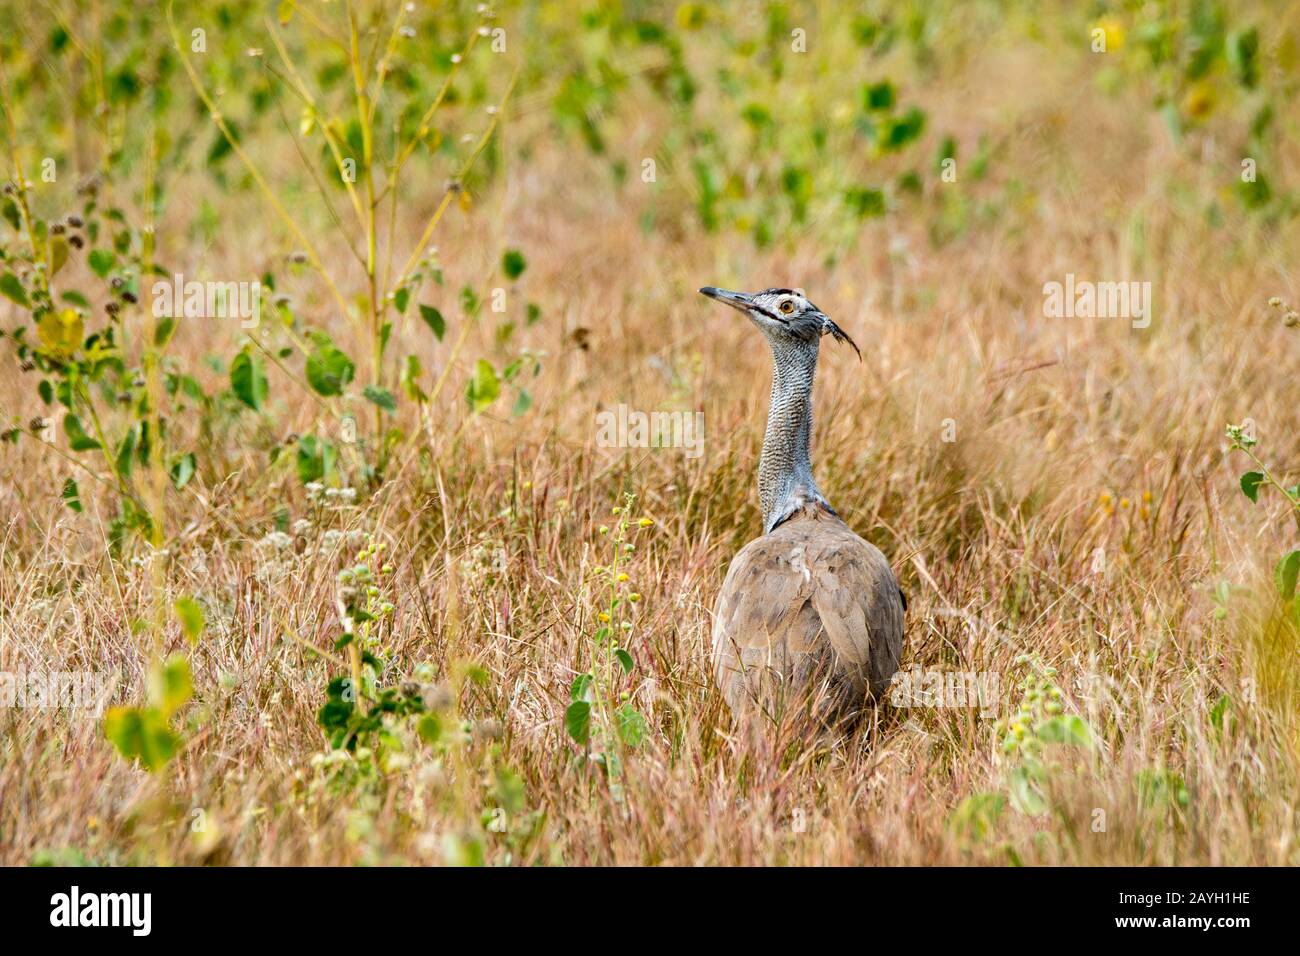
x=492 y=527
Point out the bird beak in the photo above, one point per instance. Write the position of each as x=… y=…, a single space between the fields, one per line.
x=737 y=300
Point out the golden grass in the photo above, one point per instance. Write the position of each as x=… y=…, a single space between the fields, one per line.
x=491 y=524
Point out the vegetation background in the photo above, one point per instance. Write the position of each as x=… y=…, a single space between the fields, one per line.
x=364 y=589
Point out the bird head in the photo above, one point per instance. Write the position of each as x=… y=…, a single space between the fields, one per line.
x=783 y=315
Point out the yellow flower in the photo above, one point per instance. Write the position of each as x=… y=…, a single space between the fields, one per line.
x=1199 y=101
x=1114 y=31
x=622 y=576
x=646 y=522
x=603 y=617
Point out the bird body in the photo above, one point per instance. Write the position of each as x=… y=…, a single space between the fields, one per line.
x=809 y=621
x=809 y=609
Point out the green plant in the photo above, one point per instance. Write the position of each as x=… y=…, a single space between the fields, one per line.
x=358 y=141
x=145 y=733
x=1039 y=723
x=1287 y=569
x=378 y=728
x=601 y=717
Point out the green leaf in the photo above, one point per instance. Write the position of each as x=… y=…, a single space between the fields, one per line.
x=58 y=254
x=976 y=815
x=433 y=318
x=580 y=689
x=126 y=450
x=182 y=470
x=60 y=332
x=1288 y=569
x=101 y=261
x=401 y=298
x=1026 y=794
x=878 y=96
x=248 y=379
x=316 y=459
x=1250 y=483
x=577 y=721
x=329 y=370
x=866 y=203
x=9 y=209
x=624 y=658
x=163 y=333
x=381 y=397
x=1223 y=592
x=632 y=726
x=1161 y=788
x=412 y=372
x=1219 y=711
x=523 y=402
x=11 y=288
x=191 y=617
x=469 y=301
x=72 y=495
x=484 y=388
x=170 y=684
x=513 y=264
x=429 y=728
x=141 y=733
x=78 y=440
x=1068 y=729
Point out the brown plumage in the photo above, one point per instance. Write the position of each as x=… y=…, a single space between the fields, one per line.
x=809 y=622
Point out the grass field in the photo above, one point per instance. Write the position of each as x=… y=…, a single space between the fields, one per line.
x=1056 y=494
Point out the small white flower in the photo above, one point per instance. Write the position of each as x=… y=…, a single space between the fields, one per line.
x=277 y=540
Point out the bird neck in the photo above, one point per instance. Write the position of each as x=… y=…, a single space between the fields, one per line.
x=785 y=481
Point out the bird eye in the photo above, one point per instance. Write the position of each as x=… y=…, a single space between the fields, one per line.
x=786 y=307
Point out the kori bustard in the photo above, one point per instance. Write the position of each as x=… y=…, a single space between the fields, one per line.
x=809 y=622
